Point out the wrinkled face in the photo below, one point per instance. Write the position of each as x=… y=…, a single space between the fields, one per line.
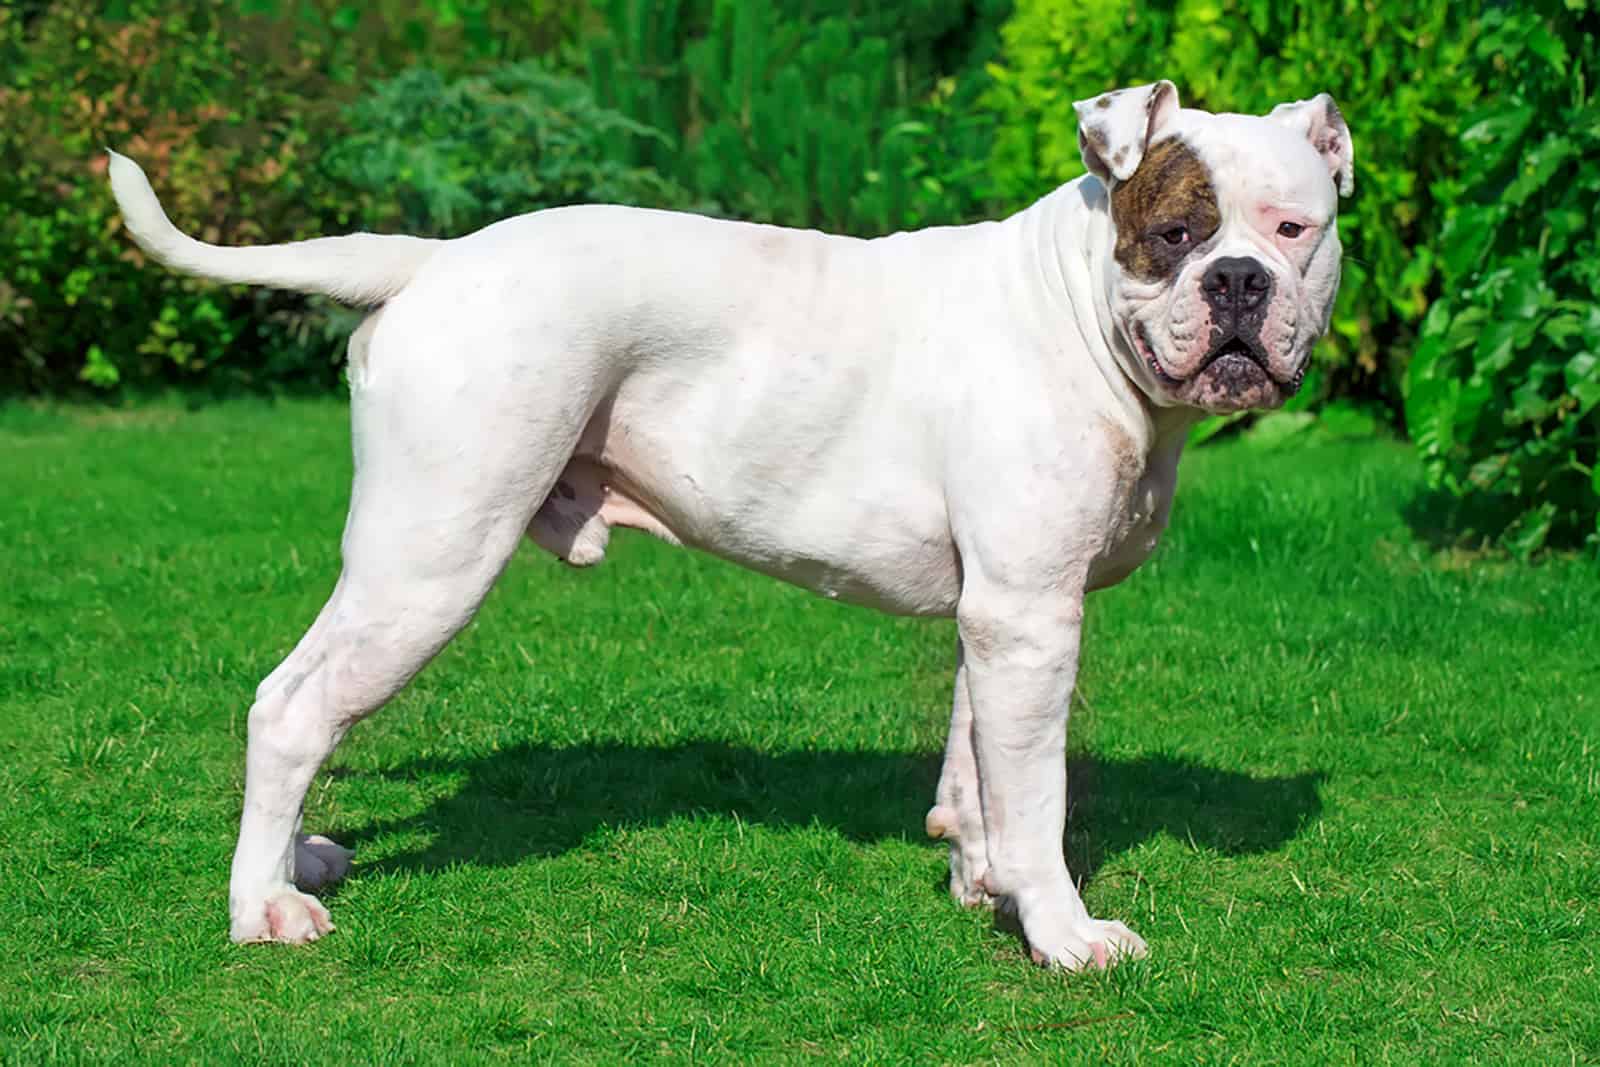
x=1226 y=261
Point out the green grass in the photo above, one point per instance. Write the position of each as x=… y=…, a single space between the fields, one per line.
x=1346 y=787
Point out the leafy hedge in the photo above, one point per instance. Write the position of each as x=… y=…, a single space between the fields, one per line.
x=858 y=116
x=1504 y=390
x=74 y=301
x=230 y=114
x=1394 y=69
x=438 y=157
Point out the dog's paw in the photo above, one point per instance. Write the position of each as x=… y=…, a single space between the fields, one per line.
x=1087 y=944
x=319 y=862
x=967 y=860
x=965 y=889
x=288 y=916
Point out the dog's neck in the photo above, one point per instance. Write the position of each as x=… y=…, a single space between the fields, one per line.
x=1069 y=230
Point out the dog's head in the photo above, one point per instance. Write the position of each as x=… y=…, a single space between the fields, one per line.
x=1226 y=255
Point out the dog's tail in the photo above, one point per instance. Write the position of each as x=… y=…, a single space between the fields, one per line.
x=362 y=269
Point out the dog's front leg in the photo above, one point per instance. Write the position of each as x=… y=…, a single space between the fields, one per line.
x=1021 y=658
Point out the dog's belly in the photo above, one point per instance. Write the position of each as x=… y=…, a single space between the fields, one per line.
x=870 y=533
x=881 y=554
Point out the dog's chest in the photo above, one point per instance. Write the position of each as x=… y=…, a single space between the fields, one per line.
x=1140 y=509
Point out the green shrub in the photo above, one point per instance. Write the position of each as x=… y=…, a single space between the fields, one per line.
x=1394 y=69
x=854 y=117
x=77 y=305
x=226 y=111
x=440 y=158
x=1504 y=391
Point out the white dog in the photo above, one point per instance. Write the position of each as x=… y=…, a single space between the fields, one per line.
x=982 y=421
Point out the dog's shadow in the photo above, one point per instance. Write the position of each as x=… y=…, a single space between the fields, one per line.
x=536 y=800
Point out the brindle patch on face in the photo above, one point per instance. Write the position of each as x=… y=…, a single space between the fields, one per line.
x=1171 y=188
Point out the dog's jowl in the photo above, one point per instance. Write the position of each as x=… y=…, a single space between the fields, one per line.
x=979 y=421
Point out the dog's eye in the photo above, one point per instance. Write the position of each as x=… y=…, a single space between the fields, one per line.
x=1290 y=229
x=1177 y=235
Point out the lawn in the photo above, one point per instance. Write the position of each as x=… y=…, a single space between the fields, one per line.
x=1347 y=787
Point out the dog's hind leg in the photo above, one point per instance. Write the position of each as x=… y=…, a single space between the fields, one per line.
x=957 y=816
x=446 y=482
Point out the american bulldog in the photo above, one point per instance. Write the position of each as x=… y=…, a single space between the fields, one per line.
x=980 y=421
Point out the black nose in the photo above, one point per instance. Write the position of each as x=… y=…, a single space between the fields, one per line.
x=1236 y=282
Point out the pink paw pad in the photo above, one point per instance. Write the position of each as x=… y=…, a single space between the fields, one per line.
x=297 y=919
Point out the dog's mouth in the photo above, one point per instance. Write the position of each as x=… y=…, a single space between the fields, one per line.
x=1235 y=358
x=1142 y=341
x=1236 y=348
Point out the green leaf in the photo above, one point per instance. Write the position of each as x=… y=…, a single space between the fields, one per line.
x=1475 y=395
x=1497 y=346
x=1485 y=474
x=1467 y=240
x=1582 y=375
x=1538 y=167
x=1528 y=400
x=98 y=370
x=1548 y=47
x=1559 y=329
x=1581 y=368
x=1498 y=126
x=1527 y=534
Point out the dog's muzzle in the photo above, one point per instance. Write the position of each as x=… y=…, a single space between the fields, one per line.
x=1239 y=292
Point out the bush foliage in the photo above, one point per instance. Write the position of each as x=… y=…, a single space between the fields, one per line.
x=854 y=117
x=439 y=158
x=74 y=301
x=229 y=112
x=1504 y=391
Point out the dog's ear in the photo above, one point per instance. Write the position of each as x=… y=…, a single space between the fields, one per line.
x=1320 y=122
x=1114 y=129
